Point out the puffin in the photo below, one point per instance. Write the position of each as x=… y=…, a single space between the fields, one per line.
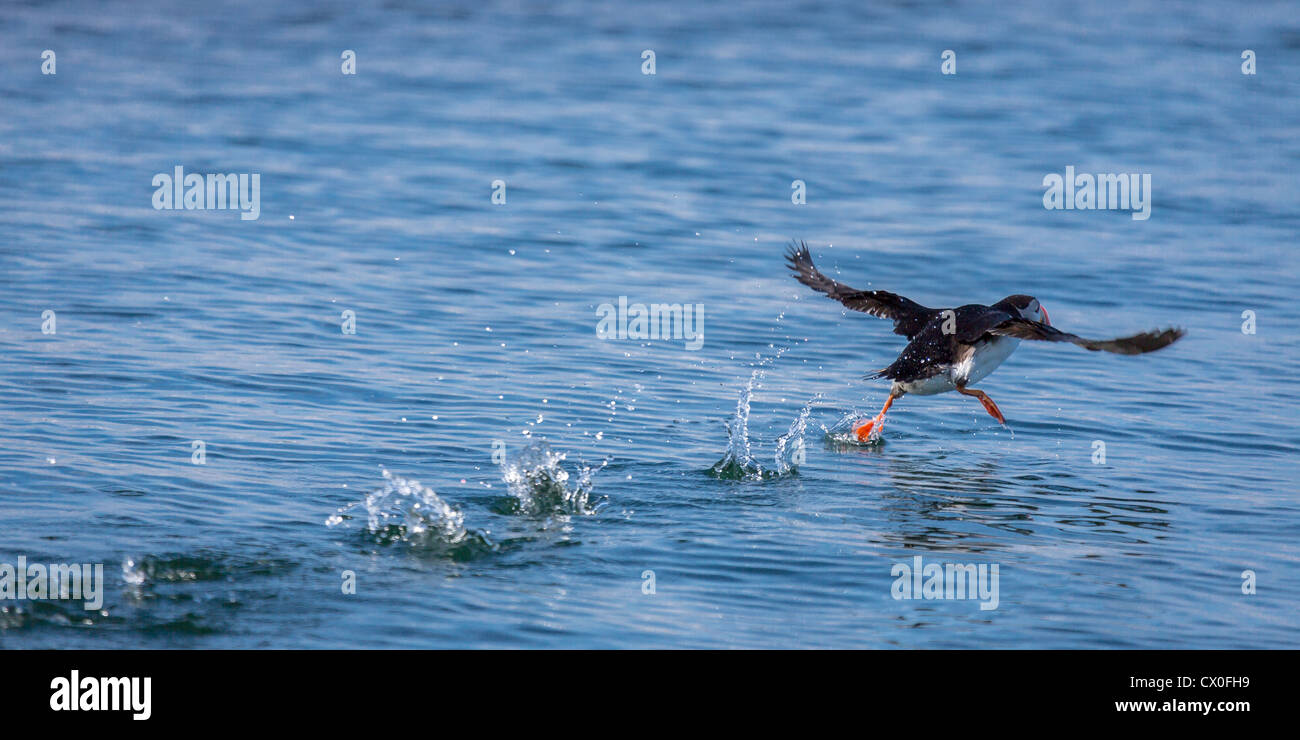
x=951 y=349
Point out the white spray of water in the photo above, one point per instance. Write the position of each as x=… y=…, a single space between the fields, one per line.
x=738 y=461
x=538 y=481
x=403 y=510
x=790 y=450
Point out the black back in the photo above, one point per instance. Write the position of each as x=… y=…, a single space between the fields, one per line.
x=944 y=340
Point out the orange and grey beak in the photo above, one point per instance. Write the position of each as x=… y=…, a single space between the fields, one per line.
x=1046 y=319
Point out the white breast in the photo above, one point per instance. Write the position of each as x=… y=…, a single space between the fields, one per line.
x=984 y=360
x=971 y=369
x=938 y=383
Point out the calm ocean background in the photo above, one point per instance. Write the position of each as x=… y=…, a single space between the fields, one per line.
x=475 y=323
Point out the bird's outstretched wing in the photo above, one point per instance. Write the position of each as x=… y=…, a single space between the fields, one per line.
x=909 y=317
x=1137 y=344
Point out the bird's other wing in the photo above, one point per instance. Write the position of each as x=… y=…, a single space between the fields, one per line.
x=909 y=317
x=1148 y=341
x=971 y=323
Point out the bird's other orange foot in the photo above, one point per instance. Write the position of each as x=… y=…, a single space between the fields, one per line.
x=863 y=432
x=993 y=410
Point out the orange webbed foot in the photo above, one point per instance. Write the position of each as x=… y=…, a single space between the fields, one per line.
x=989 y=406
x=863 y=432
x=993 y=410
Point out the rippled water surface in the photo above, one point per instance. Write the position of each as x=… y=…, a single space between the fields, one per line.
x=492 y=474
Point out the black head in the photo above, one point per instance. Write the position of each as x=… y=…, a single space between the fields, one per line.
x=1026 y=306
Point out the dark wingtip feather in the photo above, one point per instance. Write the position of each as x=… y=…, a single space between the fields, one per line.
x=797 y=256
x=1140 y=344
x=1165 y=337
x=1171 y=335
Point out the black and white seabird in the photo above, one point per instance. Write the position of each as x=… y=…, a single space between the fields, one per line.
x=952 y=349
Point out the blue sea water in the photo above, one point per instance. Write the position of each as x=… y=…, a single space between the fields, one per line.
x=487 y=472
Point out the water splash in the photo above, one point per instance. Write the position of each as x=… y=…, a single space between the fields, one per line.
x=198 y=566
x=738 y=461
x=841 y=434
x=790 y=450
x=540 y=485
x=407 y=512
